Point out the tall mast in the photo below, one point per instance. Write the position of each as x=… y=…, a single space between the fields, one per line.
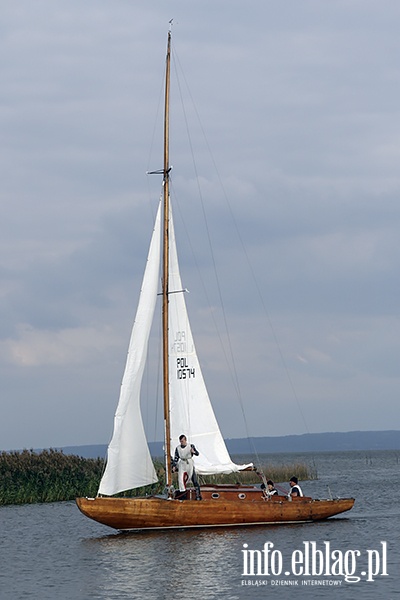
x=166 y=170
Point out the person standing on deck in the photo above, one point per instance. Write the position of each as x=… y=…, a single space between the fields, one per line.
x=183 y=462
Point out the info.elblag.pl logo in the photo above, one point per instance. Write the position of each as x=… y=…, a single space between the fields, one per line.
x=313 y=560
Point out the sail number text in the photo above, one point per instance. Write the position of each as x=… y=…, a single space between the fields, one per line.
x=179 y=343
x=183 y=370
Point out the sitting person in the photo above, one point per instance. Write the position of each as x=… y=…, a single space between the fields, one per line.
x=271 y=488
x=295 y=488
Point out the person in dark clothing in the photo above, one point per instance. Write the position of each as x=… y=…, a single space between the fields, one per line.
x=271 y=488
x=295 y=488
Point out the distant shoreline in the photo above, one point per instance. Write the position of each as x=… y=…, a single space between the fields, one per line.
x=307 y=442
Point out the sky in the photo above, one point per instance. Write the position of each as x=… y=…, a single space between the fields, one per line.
x=285 y=135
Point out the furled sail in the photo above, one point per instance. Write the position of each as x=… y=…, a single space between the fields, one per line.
x=190 y=406
x=129 y=463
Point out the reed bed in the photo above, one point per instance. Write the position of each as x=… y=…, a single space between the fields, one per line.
x=51 y=476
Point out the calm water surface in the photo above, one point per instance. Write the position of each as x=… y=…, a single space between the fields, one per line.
x=50 y=551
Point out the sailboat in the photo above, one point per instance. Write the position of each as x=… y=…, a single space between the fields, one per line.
x=187 y=410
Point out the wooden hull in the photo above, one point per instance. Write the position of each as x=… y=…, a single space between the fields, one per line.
x=127 y=514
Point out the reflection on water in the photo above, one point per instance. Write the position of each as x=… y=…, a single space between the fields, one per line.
x=52 y=552
x=165 y=562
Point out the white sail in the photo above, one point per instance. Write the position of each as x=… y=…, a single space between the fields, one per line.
x=190 y=406
x=129 y=463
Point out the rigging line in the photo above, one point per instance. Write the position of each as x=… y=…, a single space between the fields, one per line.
x=236 y=380
x=153 y=213
x=249 y=264
x=233 y=372
x=208 y=300
x=266 y=312
x=222 y=345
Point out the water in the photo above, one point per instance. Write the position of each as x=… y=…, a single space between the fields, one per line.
x=50 y=551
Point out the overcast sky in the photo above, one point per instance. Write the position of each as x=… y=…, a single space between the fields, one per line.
x=299 y=103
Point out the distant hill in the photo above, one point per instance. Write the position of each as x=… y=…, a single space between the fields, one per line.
x=308 y=442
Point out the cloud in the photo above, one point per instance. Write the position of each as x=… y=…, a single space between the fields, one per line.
x=34 y=348
x=299 y=107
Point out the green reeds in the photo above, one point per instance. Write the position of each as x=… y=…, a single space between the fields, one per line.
x=51 y=476
x=149 y=490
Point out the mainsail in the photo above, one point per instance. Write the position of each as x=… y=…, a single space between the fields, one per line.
x=190 y=406
x=129 y=463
